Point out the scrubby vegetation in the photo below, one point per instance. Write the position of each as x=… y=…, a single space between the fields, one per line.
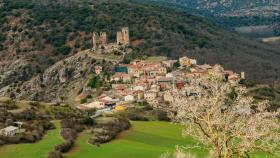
x=35 y=124
x=107 y=128
x=144 y=112
x=272 y=95
x=70 y=128
x=39 y=149
x=36 y=118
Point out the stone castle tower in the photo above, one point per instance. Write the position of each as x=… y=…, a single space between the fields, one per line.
x=123 y=36
x=98 y=39
x=103 y=38
x=95 y=40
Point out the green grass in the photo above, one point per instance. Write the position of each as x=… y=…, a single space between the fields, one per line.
x=144 y=140
x=36 y=150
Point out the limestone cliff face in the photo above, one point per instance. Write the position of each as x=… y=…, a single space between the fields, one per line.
x=14 y=71
x=57 y=83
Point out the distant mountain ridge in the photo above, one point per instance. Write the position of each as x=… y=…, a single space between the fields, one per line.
x=231 y=14
x=221 y=6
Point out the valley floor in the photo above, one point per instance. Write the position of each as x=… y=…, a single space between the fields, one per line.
x=144 y=140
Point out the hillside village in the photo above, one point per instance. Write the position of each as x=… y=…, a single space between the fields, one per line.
x=156 y=82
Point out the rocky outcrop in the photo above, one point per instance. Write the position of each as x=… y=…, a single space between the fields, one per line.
x=58 y=82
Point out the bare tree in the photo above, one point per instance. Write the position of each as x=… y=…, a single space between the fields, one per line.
x=179 y=153
x=227 y=119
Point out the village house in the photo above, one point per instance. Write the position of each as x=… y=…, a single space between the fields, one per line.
x=121 y=77
x=94 y=104
x=139 y=63
x=155 y=88
x=129 y=98
x=138 y=68
x=135 y=70
x=9 y=131
x=107 y=100
x=139 y=95
x=166 y=83
x=138 y=88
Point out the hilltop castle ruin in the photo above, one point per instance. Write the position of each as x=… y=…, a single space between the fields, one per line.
x=100 y=41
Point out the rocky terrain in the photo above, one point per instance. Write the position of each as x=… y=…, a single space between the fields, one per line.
x=58 y=82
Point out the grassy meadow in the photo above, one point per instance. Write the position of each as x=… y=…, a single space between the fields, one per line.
x=36 y=150
x=144 y=140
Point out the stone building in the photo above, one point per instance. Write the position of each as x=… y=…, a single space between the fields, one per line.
x=9 y=131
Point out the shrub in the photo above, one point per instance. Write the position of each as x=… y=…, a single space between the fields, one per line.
x=68 y=134
x=136 y=117
x=28 y=136
x=162 y=115
x=83 y=101
x=95 y=82
x=64 y=50
x=65 y=146
x=55 y=154
x=2 y=142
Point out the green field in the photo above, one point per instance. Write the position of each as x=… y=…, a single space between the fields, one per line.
x=36 y=150
x=144 y=140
